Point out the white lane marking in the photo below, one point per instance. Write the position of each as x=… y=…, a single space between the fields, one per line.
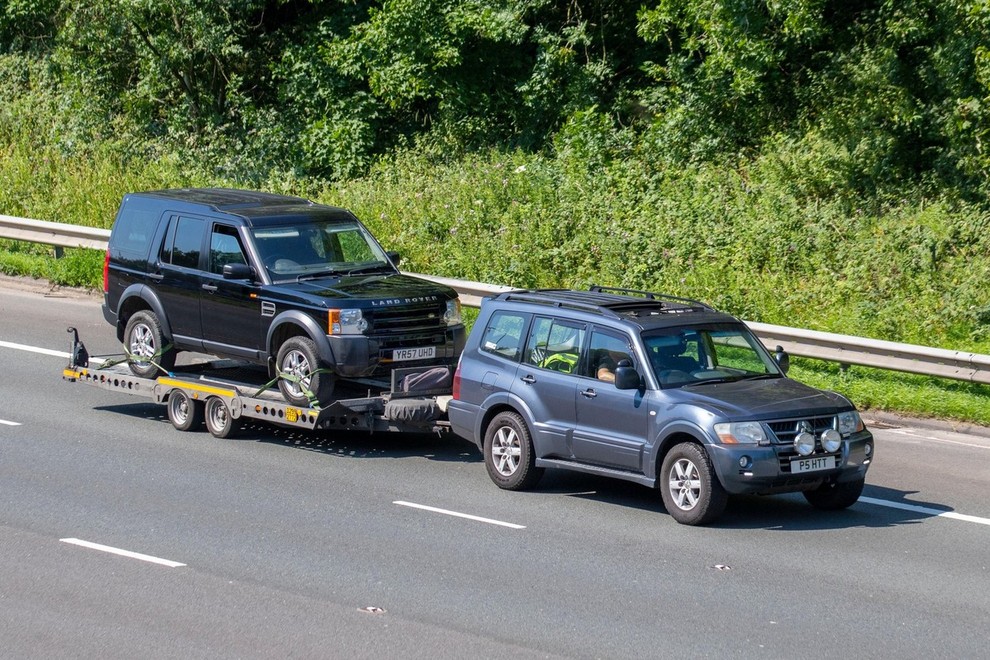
x=123 y=553
x=459 y=515
x=9 y=423
x=45 y=351
x=927 y=511
x=914 y=435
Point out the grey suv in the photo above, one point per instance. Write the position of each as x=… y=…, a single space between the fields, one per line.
x=654 y=389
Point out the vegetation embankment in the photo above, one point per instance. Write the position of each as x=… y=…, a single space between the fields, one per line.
x=803 y=166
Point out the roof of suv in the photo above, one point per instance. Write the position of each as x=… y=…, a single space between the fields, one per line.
x=645 y=309
x=258 y=208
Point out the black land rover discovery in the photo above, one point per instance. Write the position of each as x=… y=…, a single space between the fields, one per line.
x=279 y=281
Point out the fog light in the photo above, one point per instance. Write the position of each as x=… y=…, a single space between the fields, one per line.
x=868 y=449
x=804 y=443
x=745 y=462
x=831 y=441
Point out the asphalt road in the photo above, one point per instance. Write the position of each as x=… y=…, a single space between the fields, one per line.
x=288 y=544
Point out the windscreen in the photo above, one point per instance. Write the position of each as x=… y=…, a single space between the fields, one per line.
x=715 y=353
x=317 y=249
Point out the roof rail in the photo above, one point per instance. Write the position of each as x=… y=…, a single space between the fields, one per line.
x=539 y=296
x=649 y=295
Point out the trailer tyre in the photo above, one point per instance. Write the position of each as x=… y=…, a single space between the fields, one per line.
x=219 y=422
x=145 y=341
x=184 y=413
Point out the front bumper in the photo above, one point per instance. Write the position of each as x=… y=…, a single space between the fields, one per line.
x=769 y=468
x=360 y=355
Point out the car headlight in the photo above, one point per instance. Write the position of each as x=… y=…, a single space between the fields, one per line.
x=741 y=433
x=346 y=321
x=453 y=314
x=850 y=422
x=804 y=443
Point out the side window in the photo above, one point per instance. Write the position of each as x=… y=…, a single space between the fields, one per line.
x=504 y=335
x=225 y=248
x=606 y=349
x=183 y=242
x=555 y=344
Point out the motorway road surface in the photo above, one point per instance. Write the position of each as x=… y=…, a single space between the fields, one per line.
x=288 y=544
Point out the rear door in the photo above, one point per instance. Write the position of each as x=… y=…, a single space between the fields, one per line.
x=611 y=424
x=547 y=379
x=179 y=268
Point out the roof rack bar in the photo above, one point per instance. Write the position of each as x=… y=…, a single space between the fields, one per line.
x=649 y=295
x=533 y=296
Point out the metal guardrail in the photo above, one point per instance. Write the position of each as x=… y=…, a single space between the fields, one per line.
x=844 y=349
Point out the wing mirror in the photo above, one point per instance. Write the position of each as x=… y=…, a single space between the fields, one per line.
x=626 y=377
x=237 y=272
x=783 y=359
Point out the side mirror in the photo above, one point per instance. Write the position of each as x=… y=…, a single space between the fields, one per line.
x=237 y=272
x=627 y=378
x=394 y=257
x=783 y=359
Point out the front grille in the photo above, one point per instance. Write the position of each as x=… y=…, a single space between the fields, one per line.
x=406 y=318
x=784 y=430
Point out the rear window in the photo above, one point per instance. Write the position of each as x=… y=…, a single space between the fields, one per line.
x=133 y=230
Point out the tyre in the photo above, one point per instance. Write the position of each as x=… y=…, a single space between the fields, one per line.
x=832 y=497
x=298 y=359
x=184 y=413
x=219 y=422
x=144 y=340
x=690 y=489
x=509 y=456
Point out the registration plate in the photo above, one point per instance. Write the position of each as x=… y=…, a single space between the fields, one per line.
x=812 y=464
x=421 y=353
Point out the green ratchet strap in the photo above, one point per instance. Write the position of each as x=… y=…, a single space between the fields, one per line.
x=131 y=357
x=298 y=380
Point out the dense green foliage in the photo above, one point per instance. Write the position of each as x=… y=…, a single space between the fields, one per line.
x=808 y=163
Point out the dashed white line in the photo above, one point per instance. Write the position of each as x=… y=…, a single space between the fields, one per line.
x=459 y=515
x=123 y=553
x=926 y=511
x=7 y=422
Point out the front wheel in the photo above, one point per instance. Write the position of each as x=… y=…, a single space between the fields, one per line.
x=509 y=456
x=832 y=497
x=689 y=487
x=301 y=380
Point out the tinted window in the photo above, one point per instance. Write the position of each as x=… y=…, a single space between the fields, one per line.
x=133 y=230
x=555 y=344
x=504 y=335
x=183 y=242
x=225 y=248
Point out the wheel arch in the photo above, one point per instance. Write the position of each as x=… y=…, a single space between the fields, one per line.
x=671 y=437
x=294 y=323
x=137 y=298
x=499 y=404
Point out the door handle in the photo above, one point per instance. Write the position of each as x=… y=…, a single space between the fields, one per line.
x=529 y=379
x=589 y=393
x=209 y=287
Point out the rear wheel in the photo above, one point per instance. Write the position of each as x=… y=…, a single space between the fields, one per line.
x=690 y=489
x=298 y=359
x=145 y=342
x=184 y=413
x=832 y=497
x=219 y=422
x=509 y=456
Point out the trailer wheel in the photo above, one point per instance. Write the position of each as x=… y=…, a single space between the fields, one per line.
x=184 y=413
x=219 y=422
